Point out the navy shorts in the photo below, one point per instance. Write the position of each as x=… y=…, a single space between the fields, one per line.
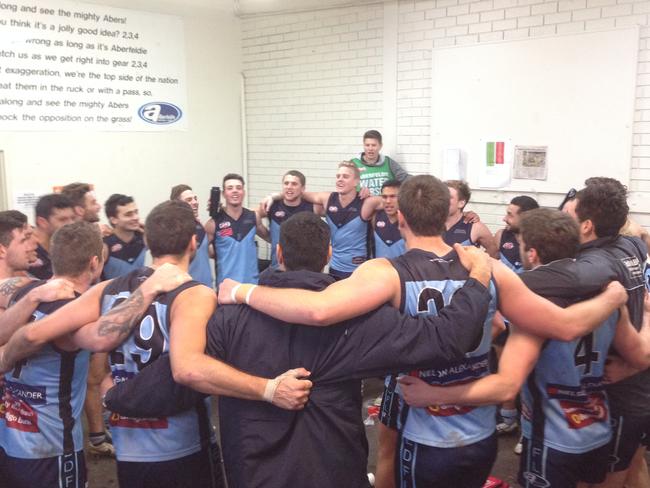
x=390 y=402
x=628 y=433
x=430 y=467
x=549 y=467
x=66 y=471
x=202 y=469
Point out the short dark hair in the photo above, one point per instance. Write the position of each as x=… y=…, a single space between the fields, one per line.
x=605 y=205
x=304 y=239
x=178 y=190
x=232 y=176
x=9 y=221
x=169 y=228
x=76 y=193
x=552 y=233
x=114 y=201
x=47 y=203
x=594 y=180
x=297 y=174
x=372 y=134
x=424 y=202
x=525 y=203
x=462 y=188
x=73 y=246
x=391 y=184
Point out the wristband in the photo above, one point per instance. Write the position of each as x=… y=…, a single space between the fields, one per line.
x=233 y=293
x=269 y=389
x=248 y=295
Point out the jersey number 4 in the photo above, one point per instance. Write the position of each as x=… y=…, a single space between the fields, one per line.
x=584 y=354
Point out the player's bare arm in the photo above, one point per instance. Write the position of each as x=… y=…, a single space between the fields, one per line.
x=372 y=284
x=190 y=314
x=517 y=361
x=542 y=318
x=112 y=328
x=18 y=314
x=482 y=235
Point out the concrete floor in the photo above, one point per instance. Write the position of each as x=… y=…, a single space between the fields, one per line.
x=102 y=471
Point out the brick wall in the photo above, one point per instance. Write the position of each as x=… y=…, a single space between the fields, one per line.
x=314 y=82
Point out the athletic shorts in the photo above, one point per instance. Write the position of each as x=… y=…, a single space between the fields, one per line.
x=67 y=471
x=549 y=467
x=628 y=432
x=202 y=469
x=390 y=402
x=432 y=467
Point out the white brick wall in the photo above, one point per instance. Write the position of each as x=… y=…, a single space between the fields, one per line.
x=313 y=86
x=314 y=82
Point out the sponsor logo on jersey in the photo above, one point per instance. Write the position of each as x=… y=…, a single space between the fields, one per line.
x=381 y=224
x=225 y=232
x=116 y=420
x=17 y=404
x=224 y=224
x=633 y=267
x=280 y=213
x=333 y=209
x=116 y=247
x=508 y=245
x=460 y=231
x=36 y=264
x=160 y=113
x=536 y=481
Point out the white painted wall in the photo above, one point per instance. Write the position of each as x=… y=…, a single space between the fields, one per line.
x=147 y=164
x=316 y=80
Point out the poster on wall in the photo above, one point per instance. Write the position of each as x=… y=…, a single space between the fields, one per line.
x=68 y=65
x=530 y=162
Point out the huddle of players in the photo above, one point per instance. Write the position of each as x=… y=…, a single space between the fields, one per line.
x=344 y=211
x=448 y=440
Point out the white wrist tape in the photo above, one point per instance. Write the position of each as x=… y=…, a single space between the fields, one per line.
x=233 y=293
x=248 y=295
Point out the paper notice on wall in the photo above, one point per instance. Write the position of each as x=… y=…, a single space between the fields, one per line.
x=25 y=202
x=68 y=65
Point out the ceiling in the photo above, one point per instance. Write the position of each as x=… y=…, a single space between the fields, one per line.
x=237 y=7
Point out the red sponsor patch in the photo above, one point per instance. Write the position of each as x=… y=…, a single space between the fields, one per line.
x=117 y=420
x=225 y=232
x=19 y=415
x=580 y=415
x=448 y=410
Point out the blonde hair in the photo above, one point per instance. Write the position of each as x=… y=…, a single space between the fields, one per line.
x=352 y=166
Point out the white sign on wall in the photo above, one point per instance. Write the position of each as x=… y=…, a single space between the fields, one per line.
x=68 y=65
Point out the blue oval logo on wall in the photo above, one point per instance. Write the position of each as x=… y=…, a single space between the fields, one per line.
x=160 y=113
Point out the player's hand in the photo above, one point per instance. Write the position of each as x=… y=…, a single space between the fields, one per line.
x=476 y=261
x=53 y=290
x=616 y=293
x=415 y=391
x=225 y=292
x=616 y=369
x=106 y=230
x=166 y=277
x=471 y=217
x=292 y=389
x=266 y=203
x=364 y=192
